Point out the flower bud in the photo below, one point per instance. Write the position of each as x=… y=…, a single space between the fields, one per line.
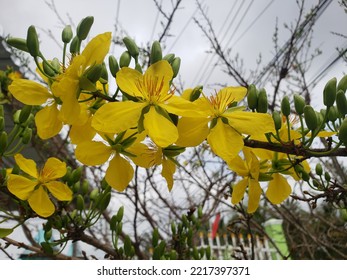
x=319 y=169
x=343 y=132
x=76 y=174
x=252 y=97
x=104 y=201
x=94 y=194
x=75 y=45
x=27 y=134
x=25 y=113
x=113 y=223
x=3 y=142
x=342 y=85
x=176 y=63
x=341 y=102
x=124 y=59
x=169 y=57
x=33 y=42
x=104 y=74
x=310 y=117
x=18 y=43
x=84 y=187
x=285 y=106
x=2 y=123
x=131 y=47
x=119 y=228
x=48 y=69
x=156 y=52
x=327 y=176
x=299 y=104
x=276 y=116
x=66 y=35
x=76 y=187
x=195 y=94
x=48 y=235
x=84 y=26
x=329 y=93
x=138 y=67
x=94 y=73
x=120 y=214
x=333 y=114
x=79 y=202
x=262 y=101
x=113 y=65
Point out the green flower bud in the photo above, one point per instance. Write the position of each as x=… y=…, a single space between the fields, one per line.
x=66 y=35
x=173 y=228
x=113 y=65
x=131 y=47
x=16 y=117
x=104 y=74
x=47 y=235
x=276 y=116
x=94 y=73
x=329 y=93
x=285 y=106
x=47 y=68
x=84 y=187
x=113 y=223
x=33 y=44
x=2 y=123
x=169 y=57
x=319 y=169
x=333 y=114
x=55 y=63
x=305 y=176
x=127 y=246
x=25 y=113
x=299 y=104
x=94 y=194
x=119 y=228
x=262 y=105
x=327 y=176
x=3 y=142
x=79 y=202
x=342 y=85
x=156 y=52
x=120 y=214
x=124 y=59
x=176 y=63
x=27 y=134
x=75 y=45
x=18 y=43
x=138 y=67
x=84 y=26
x=76 y=174
x=104 y=201
x=341 y=102
x=252 y=97
x=76 y=187
x=310 y=117
x=343 y=132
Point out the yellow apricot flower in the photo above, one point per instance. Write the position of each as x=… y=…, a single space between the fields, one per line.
x=249 y=169
x=38 y=184
x=223 y=125
x=154 y=101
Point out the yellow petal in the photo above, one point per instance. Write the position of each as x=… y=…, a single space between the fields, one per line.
x=97 y=49
x=278 y=189
x=237 y=164
x=239 y=191
x=47 y=122
x=128 y=80
x=161 y=73
x=26 y=165
x=145 y=156
x=168 y=170
x=162 y=131
x=116 y=117
x=53 y=169
x=20 y=186
x=181 y=107
x=40 y=202
x=59 y=190
x=250 y=123
x=192 y=131
x=254 y=192
x=29 y=92
x=224 y=141
x=231 y=94
x=93 y=153
x=82 y=133
x=119 y=173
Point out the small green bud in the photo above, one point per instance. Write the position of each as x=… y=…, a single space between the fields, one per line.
x=195 y=94
x=47 y=68
x=84 y=26
x=285 y=106
x=327 y=176
x=319 y=169
x=94 y=194
x=343 y=132
x=55 y=63
x=33 y=44
x=2 y=123
x=120 y=214
x=75 y=45
x=113 y=223
x=329 y=92
x=16 y=117
x=3 y=142
x=84 y=187
x=341 y=102
x=104 y=201
x=299 y=104
x=48 y=235
x=262 y=105
x=127 y=246
x=333 y=114
x=156 y=52
x=76 y=174
x=169 y=57
x=173 y=228
x=79 y=202
x=310 y=117
x=94 y=73
x=66 y=35
x=119 y=228
x=76 y=187
x=104 y=74
x=25 y=113
x=27 y=134
x=18 y=43
x=252 y=97
x=342 y=85
x=113 y=65
x=131 y=47
x=276 y=116
x=316 y=183
x=124 y=59
x=176 y=63
x=138 y=67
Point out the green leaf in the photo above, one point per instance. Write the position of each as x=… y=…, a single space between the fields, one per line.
x=5 y=231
